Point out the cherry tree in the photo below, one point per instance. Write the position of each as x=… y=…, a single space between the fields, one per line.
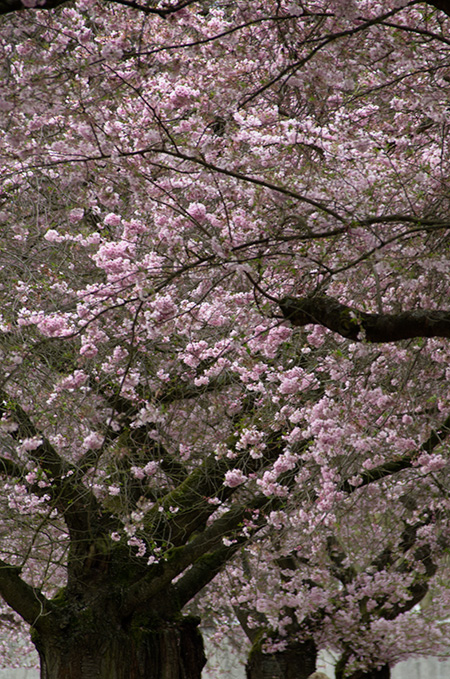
x=224 y=311
x=354 y=589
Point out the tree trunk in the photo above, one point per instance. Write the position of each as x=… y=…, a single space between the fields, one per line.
x=298 y=661
x=381 y=673
x=165 y=650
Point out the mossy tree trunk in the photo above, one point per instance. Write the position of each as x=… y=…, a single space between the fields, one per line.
x=103 y=649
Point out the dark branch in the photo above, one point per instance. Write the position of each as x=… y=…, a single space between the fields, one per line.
x=246 y=178
x=163 y=12
x=72 y=498
x=443 y=5
x=405 y=462
x=205 y=570
x=206 y=481
x=8 y=6
x=10 y=468
x=205 y=553
x=27 y=601
x=360 y=326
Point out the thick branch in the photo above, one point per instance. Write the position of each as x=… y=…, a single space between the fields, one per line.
x=405 y=462
x=73 y=499
x=205 y=570
x=205 y=482
x=8 y=6
x=10 y=468
x=443 y=5
x=359 y=326
x=27 y=601
x=180 y=558
x=205 y=554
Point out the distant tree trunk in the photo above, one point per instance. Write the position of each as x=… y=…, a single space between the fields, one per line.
x=381 y=673
x=167 y=650
x=298 y=661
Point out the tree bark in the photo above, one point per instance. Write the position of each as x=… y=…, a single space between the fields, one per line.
x=298 y=661
x=91 y=649
x=360 y=326
x=443 y=5
x=7 y=6
x=380 y=673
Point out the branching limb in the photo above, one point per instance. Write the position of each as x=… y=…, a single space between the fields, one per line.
x=405 y=462
x=443 y=5
x=206 y=548
x=27 y=601
x=10 y=468
x=192 y=497
x=206 y=553
x=8 y=6
x=73 y=499
x=360 y=326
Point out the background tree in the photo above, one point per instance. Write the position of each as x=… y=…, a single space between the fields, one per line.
x=351 y=585
x=185 y=188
